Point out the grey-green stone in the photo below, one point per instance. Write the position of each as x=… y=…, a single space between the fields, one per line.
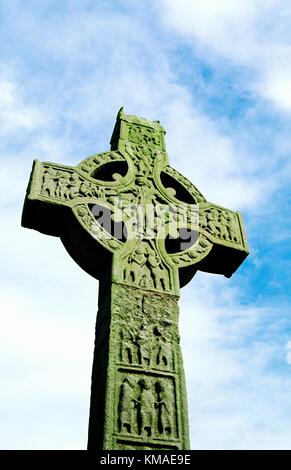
x=138 y=396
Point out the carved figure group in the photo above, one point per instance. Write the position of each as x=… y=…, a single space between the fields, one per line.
x=147 y=347
x=145 y=269
x=67 y=185
x=146 y=408
x=220 y=224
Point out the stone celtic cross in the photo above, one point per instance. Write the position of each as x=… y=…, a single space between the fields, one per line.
x=143 y=230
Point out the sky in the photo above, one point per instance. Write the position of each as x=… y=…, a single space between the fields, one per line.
x=217 y=74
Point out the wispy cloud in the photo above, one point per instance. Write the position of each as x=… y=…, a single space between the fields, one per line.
x=236 y=363
x=16 y=114
x=251 y=33
x=216 y=74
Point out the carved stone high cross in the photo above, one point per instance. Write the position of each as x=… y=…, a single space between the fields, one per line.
x=141 y=258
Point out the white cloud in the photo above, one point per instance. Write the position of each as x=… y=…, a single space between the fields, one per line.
x=230 y=377
x=252 y=33
x=15 y=113
x=277 y=87
x=47 y=339
x=210 y=159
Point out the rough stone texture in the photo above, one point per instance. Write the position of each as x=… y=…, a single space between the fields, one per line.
x=137 y=372
x=138 y=396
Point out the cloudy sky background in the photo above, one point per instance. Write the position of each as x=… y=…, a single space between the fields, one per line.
x=217 y=74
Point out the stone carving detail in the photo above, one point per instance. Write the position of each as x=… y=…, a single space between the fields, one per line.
x=66 y=185
x=166 y=408
x=129 y=353
x=143 y=135
x=144 y=158
x=195 y=253
x=162 y=349
x=127 y=407
x=146 y=407
x=92 y=163
x=96 y=230
x=146 y=345
x=145 y=268
x=147 y=328
x=222 y=224
x=49 y=182
x=140 y=145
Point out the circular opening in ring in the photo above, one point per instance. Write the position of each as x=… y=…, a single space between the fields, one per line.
x=110 y=171
x=185 y=240
x=181 y=193
x=104 y=216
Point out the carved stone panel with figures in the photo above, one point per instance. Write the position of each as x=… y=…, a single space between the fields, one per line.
x=146 y=408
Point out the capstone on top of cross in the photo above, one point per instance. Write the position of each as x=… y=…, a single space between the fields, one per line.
x=137 y=130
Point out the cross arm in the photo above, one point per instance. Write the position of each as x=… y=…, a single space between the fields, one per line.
x=225 y=229
x=48 y=197
x=59 y=201
x=220 y=245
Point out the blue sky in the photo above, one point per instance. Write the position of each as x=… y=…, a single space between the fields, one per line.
x=217 y=74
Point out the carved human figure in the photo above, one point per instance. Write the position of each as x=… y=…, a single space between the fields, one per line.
x=164 y=352
x=232 y=227
x=212 y=222
x=63 y=190
x=75 y=184
x=144 y=346
x=133 y=272
x=98 y=192
x=127 y=406
x=127 y=345
x=146 y=192
x=86 y=188
x=146 y=280
x=166 y=410
x=224 y=227
x=161 y=277
x=158 y=273
x=144 y=211
x=146 y=409
x=49 y=182
x=153 y=261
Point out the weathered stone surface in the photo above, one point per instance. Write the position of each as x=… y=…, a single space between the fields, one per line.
x=139 y=251
x=138 y=366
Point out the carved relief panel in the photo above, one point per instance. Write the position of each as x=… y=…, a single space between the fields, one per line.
x=146 y=407
x=147 y=359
